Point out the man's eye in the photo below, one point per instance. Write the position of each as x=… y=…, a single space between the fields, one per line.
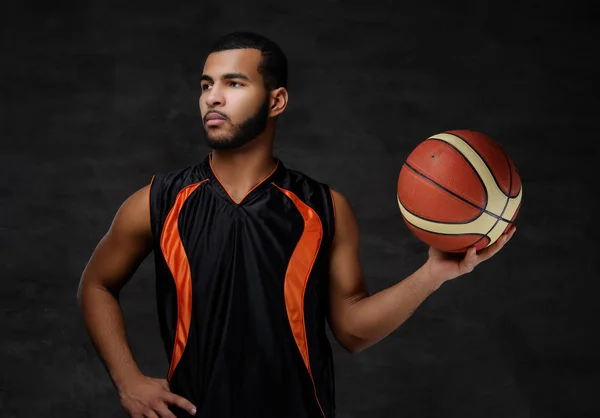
x=205 y=86
x=235 y=84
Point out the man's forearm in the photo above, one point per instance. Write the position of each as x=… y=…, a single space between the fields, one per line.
x=375 y=317
x=103 y=319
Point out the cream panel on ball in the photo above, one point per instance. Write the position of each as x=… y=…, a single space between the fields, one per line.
x=496 y=199
x=513 y=205
x=495 y=233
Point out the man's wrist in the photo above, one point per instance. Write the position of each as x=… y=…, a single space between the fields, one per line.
x=424 y=276
x=123 y=379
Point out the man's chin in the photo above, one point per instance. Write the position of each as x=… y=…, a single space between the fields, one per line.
x=221 y=143
x=215 y=141
x=228 y=144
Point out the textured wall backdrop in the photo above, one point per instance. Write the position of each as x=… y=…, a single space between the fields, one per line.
x=96 y=98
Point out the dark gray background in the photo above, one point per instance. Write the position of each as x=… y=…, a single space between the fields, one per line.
x=96 y=98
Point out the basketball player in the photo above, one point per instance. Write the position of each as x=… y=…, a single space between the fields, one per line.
x=251 y=260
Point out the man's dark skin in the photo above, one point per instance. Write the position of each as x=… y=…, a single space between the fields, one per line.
x=233 y=88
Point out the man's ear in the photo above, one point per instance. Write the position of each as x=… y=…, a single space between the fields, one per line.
x=278 y=100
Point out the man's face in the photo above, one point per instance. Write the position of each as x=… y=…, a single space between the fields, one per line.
x=233 y=104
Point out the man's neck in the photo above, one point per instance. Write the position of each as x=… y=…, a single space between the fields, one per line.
x=239 y=171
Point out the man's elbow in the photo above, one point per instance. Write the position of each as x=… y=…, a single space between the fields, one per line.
x=89 y=290
x=352 y=344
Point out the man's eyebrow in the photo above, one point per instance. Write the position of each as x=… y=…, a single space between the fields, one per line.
x=227 y=76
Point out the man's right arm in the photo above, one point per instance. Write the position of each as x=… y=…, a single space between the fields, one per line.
x=112 y=264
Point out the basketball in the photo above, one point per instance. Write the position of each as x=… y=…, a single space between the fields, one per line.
x=459 y=189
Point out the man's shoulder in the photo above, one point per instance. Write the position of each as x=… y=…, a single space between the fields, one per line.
x=181 y=176
x=307 y=187
x=297 y=176
x=167 y=186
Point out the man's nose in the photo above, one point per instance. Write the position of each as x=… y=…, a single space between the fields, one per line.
x=214 y=96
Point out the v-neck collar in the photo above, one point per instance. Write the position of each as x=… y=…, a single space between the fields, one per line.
x=264 y=183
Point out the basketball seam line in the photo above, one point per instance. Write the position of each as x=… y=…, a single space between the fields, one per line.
x=507 y=196
x=464 y=157
x=482 y=159
x=493 y=215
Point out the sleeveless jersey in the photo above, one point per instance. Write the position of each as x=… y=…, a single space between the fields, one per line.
x=242 y=293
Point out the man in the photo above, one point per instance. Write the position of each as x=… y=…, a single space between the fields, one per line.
x=251 y=260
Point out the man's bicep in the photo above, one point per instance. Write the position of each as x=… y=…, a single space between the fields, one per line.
x=126 y=244
x=347 y=285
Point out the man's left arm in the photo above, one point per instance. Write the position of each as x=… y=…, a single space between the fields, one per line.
x=359 y=320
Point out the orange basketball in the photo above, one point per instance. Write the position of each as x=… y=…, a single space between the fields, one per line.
x=458 y=189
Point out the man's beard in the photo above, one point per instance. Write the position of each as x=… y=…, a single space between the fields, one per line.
x=242 y=133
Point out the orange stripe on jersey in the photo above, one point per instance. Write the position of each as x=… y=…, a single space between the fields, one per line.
x=176 y=258
x=297 y=274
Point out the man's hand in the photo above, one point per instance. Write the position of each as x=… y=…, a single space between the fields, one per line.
x=443 y=266
x=147 y=397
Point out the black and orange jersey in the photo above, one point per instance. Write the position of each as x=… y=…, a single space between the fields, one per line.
x=242 y=293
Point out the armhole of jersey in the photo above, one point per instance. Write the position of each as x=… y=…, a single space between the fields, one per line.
x=332 y=202
x=150 y=188
x=150 y=204
x=333 y=220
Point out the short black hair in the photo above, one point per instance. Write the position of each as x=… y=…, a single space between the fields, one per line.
x=273 y=66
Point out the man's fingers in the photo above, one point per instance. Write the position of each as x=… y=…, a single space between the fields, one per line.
x=497 y=246
x=181 y=402
x=472 y=258
x=468 y=263
x=492 y=249
x=163 y=412
x=504 y=238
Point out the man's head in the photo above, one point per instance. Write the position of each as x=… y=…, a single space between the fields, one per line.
x=244 y=89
